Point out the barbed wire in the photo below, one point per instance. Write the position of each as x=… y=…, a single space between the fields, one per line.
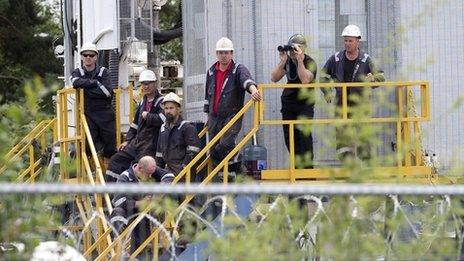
x=243 y=189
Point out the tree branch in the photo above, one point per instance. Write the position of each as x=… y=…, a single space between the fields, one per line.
x=11 y=78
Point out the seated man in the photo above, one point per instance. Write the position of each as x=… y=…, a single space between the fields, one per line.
x=142 y=137
x=178 y=141
x=126 y=206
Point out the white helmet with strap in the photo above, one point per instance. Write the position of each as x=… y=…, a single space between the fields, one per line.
x=224 y=44
x=352 y=31
x=172 y=97
x=89 y=46
x=147 y=76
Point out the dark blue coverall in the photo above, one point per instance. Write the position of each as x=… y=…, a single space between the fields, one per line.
x=124 y=206
x=98 y=96
x=177 y=145
x=231 y=101
x=142 y=138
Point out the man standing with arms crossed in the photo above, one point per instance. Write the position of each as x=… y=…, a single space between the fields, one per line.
x=98 y=95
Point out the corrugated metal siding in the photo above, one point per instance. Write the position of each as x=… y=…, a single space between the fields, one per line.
x=432 y=50
x=278 y=21
x=409 y=39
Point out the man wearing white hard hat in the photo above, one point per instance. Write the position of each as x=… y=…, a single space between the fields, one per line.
x=350 y=65
x=142 y=137
x=178 y=141
x=98 y=96
x=226 y=84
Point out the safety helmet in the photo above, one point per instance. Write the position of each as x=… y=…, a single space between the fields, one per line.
x=224 y=44
x=298 y=39
x=352 y=31
x=172 y=97
x=53 y=250
x=147 y=76
x=89 y=46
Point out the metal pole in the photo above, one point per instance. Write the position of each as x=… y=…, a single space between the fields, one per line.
x=243 y=189
x=154 y=51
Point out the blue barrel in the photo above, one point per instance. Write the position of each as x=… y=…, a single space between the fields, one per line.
x=255 y=160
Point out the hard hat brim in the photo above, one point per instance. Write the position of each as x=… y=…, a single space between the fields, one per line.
x=88 y=50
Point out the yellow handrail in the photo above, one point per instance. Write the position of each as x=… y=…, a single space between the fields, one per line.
x=402 y=119
x=26 y=146
x=186 y=170
x=222 y=165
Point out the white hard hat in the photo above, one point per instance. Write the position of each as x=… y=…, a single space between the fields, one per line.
x=89 y=46
x=147 y=76
x=172 y=97
x=224 y=44
x=352 y=30
x=53 y=250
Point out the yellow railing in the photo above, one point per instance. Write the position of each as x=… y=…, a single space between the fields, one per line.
x=403 y=120
x=84 y=170
x=73 y=137
x=186 y=175
x=118 y=100
x=408 y=162
x=25 y=149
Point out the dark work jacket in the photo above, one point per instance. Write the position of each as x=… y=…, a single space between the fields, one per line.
x=236 y=83
x=177 y=145
x=333 y=70
x=98 y=93
x=142 y=136
x=124 y=205
x=291 y=95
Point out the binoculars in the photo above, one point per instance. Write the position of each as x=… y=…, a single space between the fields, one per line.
x=285 y=48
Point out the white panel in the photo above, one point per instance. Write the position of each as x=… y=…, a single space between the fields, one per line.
x=432 y=51
x=352 y=7
x=100 y=20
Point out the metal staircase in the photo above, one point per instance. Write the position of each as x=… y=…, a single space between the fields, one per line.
x=99 y=243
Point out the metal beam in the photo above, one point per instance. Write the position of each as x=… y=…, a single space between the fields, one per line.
x=246 y=189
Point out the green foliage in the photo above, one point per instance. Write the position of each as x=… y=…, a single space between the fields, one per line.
x=25 y=218
x=27 y=32
x=342 y=228
x=170 y=15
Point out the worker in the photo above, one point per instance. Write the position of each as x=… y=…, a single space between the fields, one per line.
x=351 y=65
x=298 y=67
x=126 y=206
x=98 y=96
x=178 y=141
x=226 y=83
x=142 y=137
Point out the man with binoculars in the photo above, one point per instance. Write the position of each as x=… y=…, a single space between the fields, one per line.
x=298 y=67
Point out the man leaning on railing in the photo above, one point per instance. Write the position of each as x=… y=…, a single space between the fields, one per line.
x=98 y=95
x=350 y=65
x=226 y=84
